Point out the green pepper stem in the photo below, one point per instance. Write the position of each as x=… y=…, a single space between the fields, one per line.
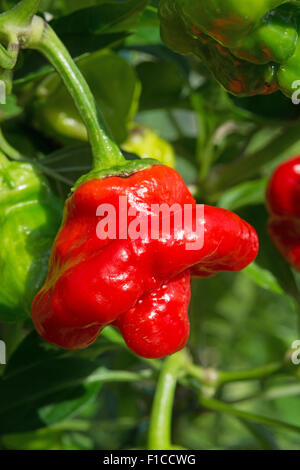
x=12 y=22
x=241 y=169
x=159 y=436
x=23 y=11
x=17 y=18
x=252 y=374
x=106 y=153
x=8 y=57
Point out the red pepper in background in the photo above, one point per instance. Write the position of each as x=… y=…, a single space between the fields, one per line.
x=283 y=204
x=142 y=286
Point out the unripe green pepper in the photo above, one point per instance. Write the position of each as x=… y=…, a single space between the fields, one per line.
x=29 y=219
x=145 y=143
x=250 y=47
x=116 y=90
x=226 y=21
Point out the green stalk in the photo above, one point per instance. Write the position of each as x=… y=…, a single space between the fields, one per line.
x=13 y=23
x=272 y=393
x=108 y=376
x=8 y=57
x=8 y=149
x=243 y=168
x=106 y=153
x=159 y=436
x=21 y=14
x=4 y=162
x=216 y=378
x=251 y=374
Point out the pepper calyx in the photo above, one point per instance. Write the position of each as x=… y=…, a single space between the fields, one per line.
x=122 y=171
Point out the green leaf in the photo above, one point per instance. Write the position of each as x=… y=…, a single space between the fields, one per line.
x=108 y=17
x=263 y=278
x=147 y=29
x=37 y=440
x=187 y=170
x=222 y=127
x=7 y=4
x=85 y=31
x=35 y=66
x=43 y=385
x=79 y=45
x=269 y=108
x=162 y=85
x=10 y=109
x=244 y=194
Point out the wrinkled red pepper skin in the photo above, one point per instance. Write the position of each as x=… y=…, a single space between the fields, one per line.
x=283 y=204
x=141 y=286
x=161 y=318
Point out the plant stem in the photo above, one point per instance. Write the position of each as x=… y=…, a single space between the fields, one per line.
x=251 y=374
x=216 y=405
x=22 y=13
x=207 y=376
x=107 y=376
x=106 y=153
x=159 y=437
x=243 y=168
x=8 y=57
x=214 y=378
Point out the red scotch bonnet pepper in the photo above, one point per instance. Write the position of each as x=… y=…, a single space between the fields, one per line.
x=141 y=286
x=283 y=204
